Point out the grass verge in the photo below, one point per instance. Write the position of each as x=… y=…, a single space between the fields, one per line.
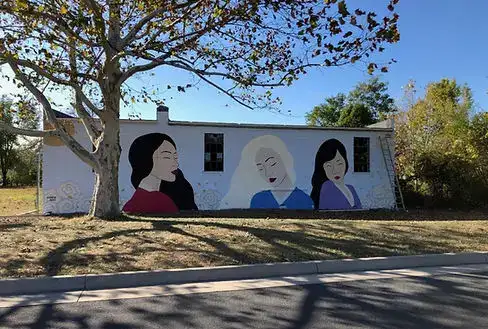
x=36 y=246
x=14 y=201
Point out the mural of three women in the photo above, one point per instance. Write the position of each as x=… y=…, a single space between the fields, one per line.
x=264 y=178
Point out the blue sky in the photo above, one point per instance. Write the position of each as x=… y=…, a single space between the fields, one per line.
x=439 y=39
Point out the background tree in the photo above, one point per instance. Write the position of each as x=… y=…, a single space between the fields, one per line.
x=374 y=95
x=478 y=135
x=355 y=115
x=93 y=47
x=24 y=169
x=441 y=154
x=328 y=113
x=8 y=140
x=367 y=103
x=20 y=114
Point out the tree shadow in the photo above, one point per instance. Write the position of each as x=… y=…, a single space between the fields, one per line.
x=372 y=214
x=307 y=242
x=452 y=302
x=369 y=214
x=9 y=226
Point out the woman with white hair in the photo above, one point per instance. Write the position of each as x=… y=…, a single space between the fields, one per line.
x=265 y=178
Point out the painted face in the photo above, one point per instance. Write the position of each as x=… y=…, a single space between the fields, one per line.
x=165 y=162
x=335 y=169
x=270 y=166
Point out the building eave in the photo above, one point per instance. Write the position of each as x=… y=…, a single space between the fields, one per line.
x=272 y=126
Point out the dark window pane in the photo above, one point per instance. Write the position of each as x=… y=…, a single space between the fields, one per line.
x=361 y=154
x=214 y=152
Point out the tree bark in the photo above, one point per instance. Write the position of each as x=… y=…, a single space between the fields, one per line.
x=105 y=202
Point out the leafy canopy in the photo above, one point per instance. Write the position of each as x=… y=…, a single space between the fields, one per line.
x=367 y=103
x=18 y=114
x=355 y=115
x=235 y=46
x=93 y=47
x=442 y=147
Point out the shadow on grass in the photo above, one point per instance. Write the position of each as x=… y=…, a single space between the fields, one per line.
x=9 y=226
x=379 y=214
x=309 y=242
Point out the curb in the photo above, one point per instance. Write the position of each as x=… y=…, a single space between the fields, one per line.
x=225 y=273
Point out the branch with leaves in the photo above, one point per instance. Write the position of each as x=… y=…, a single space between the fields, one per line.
x=243 y=49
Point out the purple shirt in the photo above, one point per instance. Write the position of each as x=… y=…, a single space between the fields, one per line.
x=331 y=198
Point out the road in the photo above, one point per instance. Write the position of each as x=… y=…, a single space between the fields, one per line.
x=443 y=301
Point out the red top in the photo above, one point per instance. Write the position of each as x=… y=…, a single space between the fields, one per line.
x=149 y=202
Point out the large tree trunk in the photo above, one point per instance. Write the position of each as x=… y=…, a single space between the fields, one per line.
x=105 y=202
x=4 y=177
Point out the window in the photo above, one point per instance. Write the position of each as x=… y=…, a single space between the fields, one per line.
x=214 y=152
x=361 y=154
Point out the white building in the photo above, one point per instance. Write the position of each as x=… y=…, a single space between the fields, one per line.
x=227 y=166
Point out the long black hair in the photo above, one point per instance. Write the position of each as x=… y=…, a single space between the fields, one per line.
x=327 y=151
x=141 y=160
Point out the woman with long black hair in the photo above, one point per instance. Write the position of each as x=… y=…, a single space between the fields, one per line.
x=159 y=183
x=329 y=192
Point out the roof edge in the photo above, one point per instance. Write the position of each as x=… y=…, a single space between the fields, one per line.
x=272 y=126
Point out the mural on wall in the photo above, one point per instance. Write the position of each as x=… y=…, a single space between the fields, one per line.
x=159 y=183
x=265 y=178
x=379 y=196
x=67 y=198
x=329 y=192
x=208 y=199
x=207 y=195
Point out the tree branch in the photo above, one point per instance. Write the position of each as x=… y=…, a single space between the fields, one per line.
x=46 y=74
x=187 y=67
x=69 y=141
x=210 y=82
x=139 y=25
x=98 y=112
x=58 y=21
x=88 y=122
x=27 y=132
x=99 y=21
x=145 y=67
x=158 y=61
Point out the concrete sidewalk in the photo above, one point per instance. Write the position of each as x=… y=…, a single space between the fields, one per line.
x=227 y=273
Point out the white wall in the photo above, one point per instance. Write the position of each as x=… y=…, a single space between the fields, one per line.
x=68 y=182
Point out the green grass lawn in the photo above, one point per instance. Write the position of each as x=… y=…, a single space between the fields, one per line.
x=37 y=246
x=14 y=201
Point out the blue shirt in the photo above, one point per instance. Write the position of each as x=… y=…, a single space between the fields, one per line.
x=296 y=200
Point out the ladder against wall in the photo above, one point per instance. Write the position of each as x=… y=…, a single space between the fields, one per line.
x=386 y=143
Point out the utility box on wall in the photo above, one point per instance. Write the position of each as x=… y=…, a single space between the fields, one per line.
x=168 y=166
